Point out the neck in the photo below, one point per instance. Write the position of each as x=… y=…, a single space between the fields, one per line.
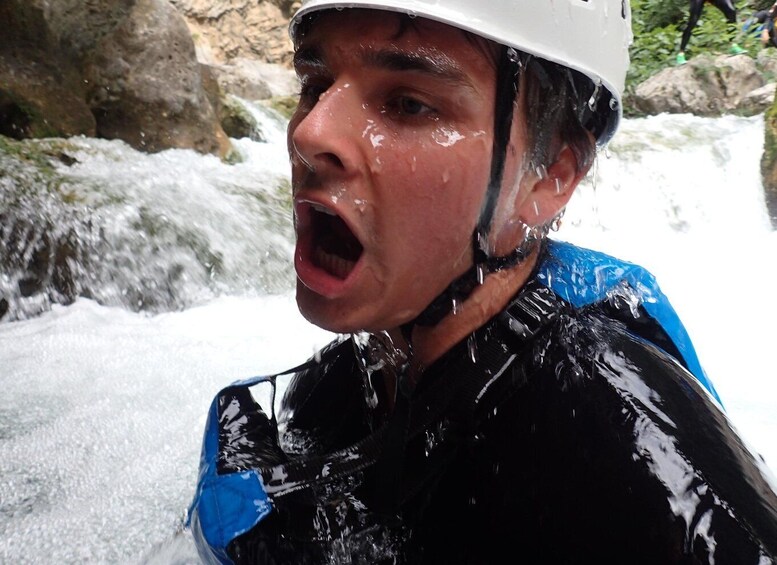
x=486 y=301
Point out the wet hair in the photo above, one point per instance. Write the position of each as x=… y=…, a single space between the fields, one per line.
x=563 y=106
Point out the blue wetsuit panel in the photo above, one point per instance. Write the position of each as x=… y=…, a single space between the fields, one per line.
x=583 y=277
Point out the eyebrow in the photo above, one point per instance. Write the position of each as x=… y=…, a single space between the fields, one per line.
x=434 y=64
x=310 y=57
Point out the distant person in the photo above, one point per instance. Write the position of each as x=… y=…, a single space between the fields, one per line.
x=694 y=13
x=495 y=395
x=765 y=28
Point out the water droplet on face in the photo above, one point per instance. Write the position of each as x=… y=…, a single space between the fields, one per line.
x=337 y=195
x=536 y=208
x=360 y=204
x=455 y=306
x=446 y=137
x=446 y=176
x=376 y=140
x=413 y=164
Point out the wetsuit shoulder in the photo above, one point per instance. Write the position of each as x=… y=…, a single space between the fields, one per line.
x=595 y=445
x=641 y=421
x=624 y=291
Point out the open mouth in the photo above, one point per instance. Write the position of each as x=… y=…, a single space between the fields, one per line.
x=336 y=249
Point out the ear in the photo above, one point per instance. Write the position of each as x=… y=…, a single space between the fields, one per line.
x=551 y=192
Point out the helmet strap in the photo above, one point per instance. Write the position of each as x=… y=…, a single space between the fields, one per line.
x=509 y=67
x=460 y=289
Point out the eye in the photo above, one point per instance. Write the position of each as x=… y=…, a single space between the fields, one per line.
x=410 y=107
x=311 y=92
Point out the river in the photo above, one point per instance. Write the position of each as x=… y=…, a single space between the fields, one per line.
x=103 y=406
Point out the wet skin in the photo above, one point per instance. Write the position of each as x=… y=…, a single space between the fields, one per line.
x=390 y=150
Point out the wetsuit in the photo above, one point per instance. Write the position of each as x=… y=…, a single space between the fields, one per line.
x=568 y=429
x=694 y=13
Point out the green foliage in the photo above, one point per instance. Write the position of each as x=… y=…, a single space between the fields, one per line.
x=659 y=24
x=652 y=14
x=761 y=4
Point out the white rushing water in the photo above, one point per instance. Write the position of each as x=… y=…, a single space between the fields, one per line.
x=102 y=409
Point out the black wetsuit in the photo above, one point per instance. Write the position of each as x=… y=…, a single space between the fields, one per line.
x=694 y=13
x=567 y=430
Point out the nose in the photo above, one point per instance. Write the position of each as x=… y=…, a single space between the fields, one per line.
x=324 y=138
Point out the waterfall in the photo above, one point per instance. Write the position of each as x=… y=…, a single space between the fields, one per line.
x=160 y=232
x=165 y=277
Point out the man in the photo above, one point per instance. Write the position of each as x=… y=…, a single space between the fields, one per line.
x=501 y=397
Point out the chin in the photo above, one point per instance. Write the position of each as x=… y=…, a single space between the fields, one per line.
x=322 y=312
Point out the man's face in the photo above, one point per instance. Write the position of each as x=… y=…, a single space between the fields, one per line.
x=390 y=150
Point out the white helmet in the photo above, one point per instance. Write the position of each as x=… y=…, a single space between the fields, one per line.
x=590 y=36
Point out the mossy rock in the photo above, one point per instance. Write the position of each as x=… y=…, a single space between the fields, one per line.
x=284 y=105
x=237 y=121
x=769 y=162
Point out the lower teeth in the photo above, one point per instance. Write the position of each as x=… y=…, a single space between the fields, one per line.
x=333 y=264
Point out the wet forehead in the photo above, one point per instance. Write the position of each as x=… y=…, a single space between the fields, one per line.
x=384 y=40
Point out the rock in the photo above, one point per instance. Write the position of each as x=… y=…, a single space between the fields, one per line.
x=123 y=69
x=704 y=86
x=225 y=30
x=145 y=85
x=758 y=100
x=766 y=61
x=769 y=163
x=254 y=80
x=238 y=122
x=39 y=98
x=41 y=93
x=284 y=105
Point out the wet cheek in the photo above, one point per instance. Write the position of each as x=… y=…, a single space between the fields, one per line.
x=444 y=181
x=433 y=221
x=447 y=136
x=380 y=147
